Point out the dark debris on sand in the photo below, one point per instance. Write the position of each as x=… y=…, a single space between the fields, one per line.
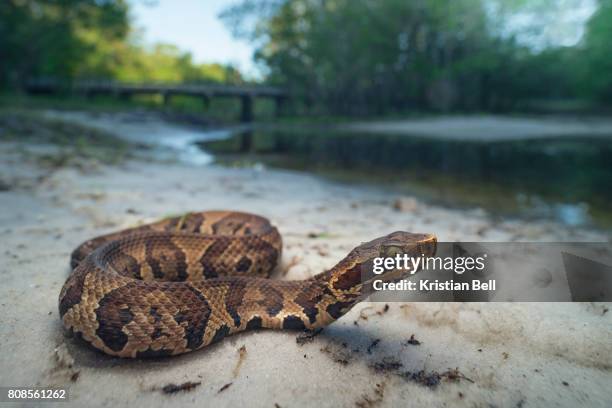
x=225 y=387
x=307 y=336
x=174 y=388
x=428 y=379
x=373 y=345
x=412 y=341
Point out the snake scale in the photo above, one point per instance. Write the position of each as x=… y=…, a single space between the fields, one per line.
x=183 y=283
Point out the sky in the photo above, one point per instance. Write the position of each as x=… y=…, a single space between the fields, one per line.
x=562 y=25
x=194 y=26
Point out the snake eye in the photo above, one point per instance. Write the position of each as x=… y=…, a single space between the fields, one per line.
x=391 y=251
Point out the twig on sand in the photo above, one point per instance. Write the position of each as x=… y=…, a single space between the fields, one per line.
x=225 y=387
x=242 y=351
x=174 y=388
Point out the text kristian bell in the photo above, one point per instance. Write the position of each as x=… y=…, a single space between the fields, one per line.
x=435 y=285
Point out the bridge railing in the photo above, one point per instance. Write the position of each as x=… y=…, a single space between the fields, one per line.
x=157 y=87
x=246 y=93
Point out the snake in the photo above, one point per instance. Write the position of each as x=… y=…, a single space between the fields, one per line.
x=185 y=282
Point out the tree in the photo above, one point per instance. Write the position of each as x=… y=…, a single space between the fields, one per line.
x=52 y=37
x=378 y=56
x=366 y=56
x=596 y=56
x=92 y=39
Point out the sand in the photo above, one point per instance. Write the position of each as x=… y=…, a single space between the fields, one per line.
x=495 y=354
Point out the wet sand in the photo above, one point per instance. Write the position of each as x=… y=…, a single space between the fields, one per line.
x=527 y=354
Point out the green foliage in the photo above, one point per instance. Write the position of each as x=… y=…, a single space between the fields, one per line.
x=373 y=57
x=49 y=37
x=596 y=55
x=71 y=39
x=128 y=62
x=335 y=56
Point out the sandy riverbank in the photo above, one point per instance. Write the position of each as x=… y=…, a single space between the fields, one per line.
x=506 y=354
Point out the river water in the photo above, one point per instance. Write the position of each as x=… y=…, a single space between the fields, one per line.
x=567 y=179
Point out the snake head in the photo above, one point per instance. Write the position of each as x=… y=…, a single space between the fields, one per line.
x=351 y=279
x=400 y=243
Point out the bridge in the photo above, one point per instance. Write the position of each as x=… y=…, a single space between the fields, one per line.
x=246 y=93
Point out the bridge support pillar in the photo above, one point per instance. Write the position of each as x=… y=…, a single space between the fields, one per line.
x=246 y=141
x=206 y=101
x=246 y=114
x=166 y=99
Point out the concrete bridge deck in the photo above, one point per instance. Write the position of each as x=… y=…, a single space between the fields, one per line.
x=246 y=93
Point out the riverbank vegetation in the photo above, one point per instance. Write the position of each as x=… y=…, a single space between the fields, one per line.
x=89 y=39
x=342 y=57
x=377 y=57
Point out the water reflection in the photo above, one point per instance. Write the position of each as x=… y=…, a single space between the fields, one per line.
x=563 y=178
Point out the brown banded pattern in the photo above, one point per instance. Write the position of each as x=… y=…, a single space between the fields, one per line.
x=182 y=283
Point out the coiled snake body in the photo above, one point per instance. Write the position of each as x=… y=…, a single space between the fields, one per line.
x=180 y=284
